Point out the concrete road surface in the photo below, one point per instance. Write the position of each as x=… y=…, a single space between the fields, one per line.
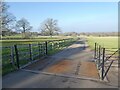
x=73 y=67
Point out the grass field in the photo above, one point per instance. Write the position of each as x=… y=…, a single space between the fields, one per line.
x=107 y=42
x=10 y=42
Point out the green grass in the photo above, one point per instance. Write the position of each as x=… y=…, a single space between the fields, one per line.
x=107 y=42
x=24 y=41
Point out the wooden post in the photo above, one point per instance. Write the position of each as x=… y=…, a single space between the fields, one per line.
x=17 y=56
x=103 y=64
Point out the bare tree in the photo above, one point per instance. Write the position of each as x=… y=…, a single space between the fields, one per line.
x=7 y=19
x=50 y=27
x=24 y=27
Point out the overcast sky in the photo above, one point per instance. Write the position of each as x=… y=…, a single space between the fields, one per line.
x=71 y=16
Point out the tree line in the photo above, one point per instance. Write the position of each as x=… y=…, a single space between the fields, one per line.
x=9 y=25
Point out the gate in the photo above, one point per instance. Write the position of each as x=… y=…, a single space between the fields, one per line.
x=103 y=58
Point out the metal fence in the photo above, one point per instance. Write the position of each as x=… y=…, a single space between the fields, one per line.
x=103 y=56
x=16 y=56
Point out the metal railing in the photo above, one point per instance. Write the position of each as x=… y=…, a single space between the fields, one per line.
x=16 y=56
x=101 y=57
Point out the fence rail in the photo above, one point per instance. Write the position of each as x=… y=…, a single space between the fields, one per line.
x=14 y=57
x=103 y=55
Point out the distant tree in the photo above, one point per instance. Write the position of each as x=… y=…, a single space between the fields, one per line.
x=7 y=19
x=50 y=27
x=24 y=27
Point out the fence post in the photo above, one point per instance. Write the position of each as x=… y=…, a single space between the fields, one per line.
x=95 y=51
x=46 y=47
x=17 y=56
x=30 y=50
x=103 y=63
x=99 y=55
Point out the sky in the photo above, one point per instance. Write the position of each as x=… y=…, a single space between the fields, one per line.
x=71 y=16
